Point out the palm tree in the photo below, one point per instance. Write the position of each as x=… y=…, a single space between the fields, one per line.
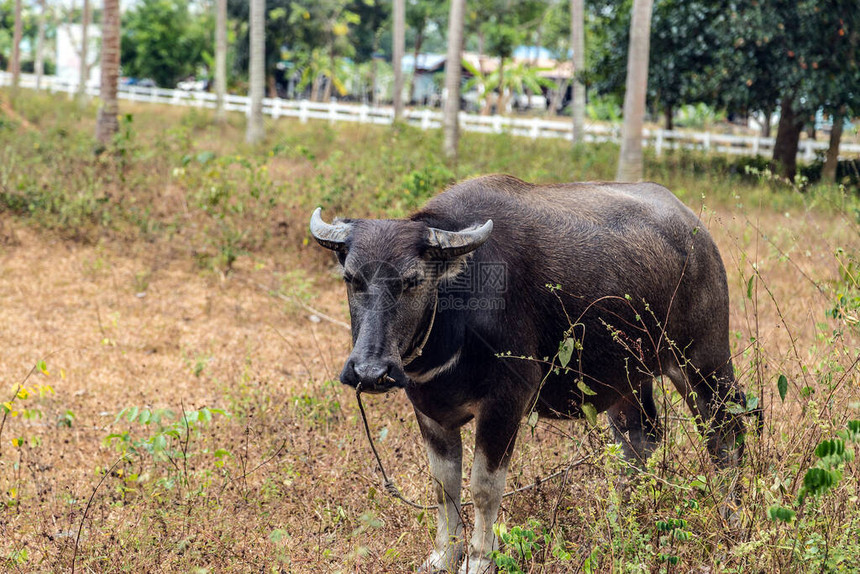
x=630 y=160
x=15 y=60
x=107 y=124
x=39 y=66
x=257 y=72
x=220 y=59
x=84 y=71
x=577 y=44
x=504 y=82
x=319 y=65
x=452 y=78
x=398 y=48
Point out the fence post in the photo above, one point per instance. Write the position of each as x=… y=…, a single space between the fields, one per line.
x=756 y=144
x=707 y=141
x=276 y=112
x=534 y=131
x=363 y=114
x=658 y=145
x=808 y=152
x=425 y=119
x=332 y=112
x=497 y=124
x=303 y=111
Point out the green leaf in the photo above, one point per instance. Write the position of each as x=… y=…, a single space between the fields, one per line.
x=586 y=390
x=533 y=419
x=590 y=413
x=750 y=287
x=565 y=351
x=777 y=512
x=159 y=443
x=782 y=387
x=205 y=415
x=132 y=413
x=752 y=403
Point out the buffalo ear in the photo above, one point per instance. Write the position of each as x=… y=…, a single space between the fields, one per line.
x=329 y=235
x=446 y=245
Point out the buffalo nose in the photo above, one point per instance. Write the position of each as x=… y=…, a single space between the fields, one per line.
x=370 y=372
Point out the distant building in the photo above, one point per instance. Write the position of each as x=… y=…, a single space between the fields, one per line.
x=69 y=52
x=429 y=73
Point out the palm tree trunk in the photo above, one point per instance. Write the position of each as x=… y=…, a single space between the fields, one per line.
x=257 y=73
x=556 y=97
x=374 y=96
x=500 y=90
x=399 y=45
x=451 y=121
x=84 y=71
x=220 y=59
x=315 y=89
x=15 y=60
x=667 y=115
x=107 y=124
x=419 y=39
x=630 y=160
x=577 y=43
x=831 y=162
x=39 y=66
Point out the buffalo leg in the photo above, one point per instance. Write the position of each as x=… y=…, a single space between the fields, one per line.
x=445 y=453
x=634 y=422
x=709 y=393
x=494 y=441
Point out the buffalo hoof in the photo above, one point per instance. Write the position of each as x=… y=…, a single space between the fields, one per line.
x=476 y=565
x=444 y=561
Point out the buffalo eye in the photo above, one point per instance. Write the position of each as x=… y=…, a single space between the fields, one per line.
x=412 y=281
x=353 y=281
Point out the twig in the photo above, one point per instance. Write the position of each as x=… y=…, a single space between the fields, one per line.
x=305 y=306
x=5 y=412
x=87 y=508
x=268 y=460
x=185 y=444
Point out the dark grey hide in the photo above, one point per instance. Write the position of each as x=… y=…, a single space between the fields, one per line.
x=642 y=289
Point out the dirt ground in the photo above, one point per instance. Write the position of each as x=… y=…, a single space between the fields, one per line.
x=123 y=326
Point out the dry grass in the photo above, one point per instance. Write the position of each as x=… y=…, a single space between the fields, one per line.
x=285 y=481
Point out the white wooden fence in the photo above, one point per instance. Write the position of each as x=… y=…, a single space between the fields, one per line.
x=426 y=118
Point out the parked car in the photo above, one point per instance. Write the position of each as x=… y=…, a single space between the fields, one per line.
x=139 y=82
x=192 y=84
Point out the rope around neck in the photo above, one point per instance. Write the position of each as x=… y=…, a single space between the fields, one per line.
x=391 y=488
x=420 y=348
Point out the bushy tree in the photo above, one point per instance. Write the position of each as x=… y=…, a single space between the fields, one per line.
x=801 y=55
x=295 y=28
x=164 y=41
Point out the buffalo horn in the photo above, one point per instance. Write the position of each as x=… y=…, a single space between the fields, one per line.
x=329 y=235
x=455 y=243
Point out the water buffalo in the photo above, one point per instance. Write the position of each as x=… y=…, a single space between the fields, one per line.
x=623 y=274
